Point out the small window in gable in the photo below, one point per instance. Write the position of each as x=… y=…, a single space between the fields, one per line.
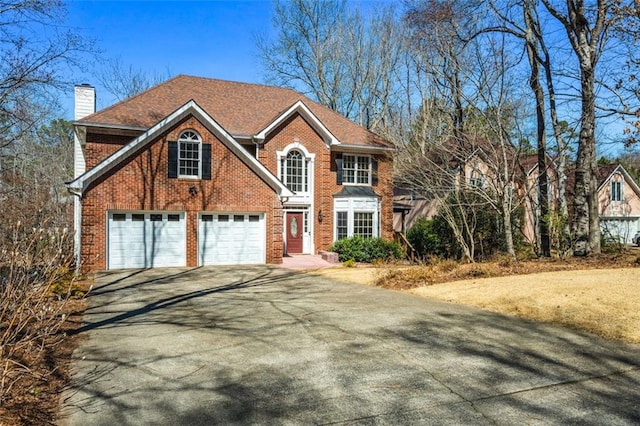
x=616 y=191
x=189 y=145
x=476 y=180
x=189 y=157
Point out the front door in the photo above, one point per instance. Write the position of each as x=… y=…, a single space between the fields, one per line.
x=294 y=233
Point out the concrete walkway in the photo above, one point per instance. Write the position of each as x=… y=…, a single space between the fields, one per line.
x=261 y=345
x=305 y=262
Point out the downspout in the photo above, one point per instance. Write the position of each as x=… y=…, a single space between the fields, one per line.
x=258 y=142
x=77 y=224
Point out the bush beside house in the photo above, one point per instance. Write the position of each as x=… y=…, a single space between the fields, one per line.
x=361 y=249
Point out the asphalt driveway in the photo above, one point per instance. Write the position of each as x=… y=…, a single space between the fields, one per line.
x=261 y=345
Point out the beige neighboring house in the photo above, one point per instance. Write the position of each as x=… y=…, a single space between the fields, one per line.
x=618 y=198
x=618 y=203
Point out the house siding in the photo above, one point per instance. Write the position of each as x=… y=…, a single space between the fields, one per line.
x=142 y=184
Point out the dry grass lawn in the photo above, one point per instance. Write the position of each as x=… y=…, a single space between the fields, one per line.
x=600 y=294
x=600 y=301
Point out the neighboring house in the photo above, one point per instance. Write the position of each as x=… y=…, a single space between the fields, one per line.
x=618 y=197
x=199 y=171
x=618 y=203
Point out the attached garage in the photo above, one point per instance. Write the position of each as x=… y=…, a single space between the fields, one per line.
x=620 y=229
x=231 y=239
x=146 y=239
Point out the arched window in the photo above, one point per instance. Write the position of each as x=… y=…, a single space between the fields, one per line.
x=295 y=171
x=189 y=148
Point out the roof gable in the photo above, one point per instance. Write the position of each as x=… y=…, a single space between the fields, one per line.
x=191 y=108
x=606 y=172
x=244 y=110
x=300 y=108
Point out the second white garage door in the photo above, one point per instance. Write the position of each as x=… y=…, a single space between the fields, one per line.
x=231 y=239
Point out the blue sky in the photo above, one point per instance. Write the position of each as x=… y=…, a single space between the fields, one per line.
x=204 y=38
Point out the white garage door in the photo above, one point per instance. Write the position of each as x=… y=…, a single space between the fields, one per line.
x=146 y=240
x=620 y=230
x=231 y=239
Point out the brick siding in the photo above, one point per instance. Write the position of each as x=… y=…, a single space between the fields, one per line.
x=142 y=184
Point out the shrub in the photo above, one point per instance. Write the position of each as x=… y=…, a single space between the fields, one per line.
x=350 y=263
x=36 y=278
x=424 y=239
x=362 y=249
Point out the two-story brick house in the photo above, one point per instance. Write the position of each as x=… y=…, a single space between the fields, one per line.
x=199 y=171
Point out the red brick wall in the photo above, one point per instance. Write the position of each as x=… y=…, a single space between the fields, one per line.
x=142 y=184
x=98 y=147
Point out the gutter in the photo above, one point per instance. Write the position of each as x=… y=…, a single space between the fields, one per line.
x=366 y=148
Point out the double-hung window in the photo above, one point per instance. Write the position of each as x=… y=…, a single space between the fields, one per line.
x=616 y=191
x=342 y=225
x=189 y=145
x=476 y=180
x=356 y=169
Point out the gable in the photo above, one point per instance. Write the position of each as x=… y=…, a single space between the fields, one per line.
x=616 y=172
x=299 y=108
x=191 y=108
x=629 y=204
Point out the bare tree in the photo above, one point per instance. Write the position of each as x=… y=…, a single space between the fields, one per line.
x=334 y=54
x=466 y=126
x=33 y=171
x=124 y=81
x=31 y=66
x=586 y=28
x=528 y=29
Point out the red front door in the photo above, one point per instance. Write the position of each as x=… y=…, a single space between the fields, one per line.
x=294 y=233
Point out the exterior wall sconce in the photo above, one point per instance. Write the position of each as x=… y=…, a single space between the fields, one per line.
x=320 y=216
x=193 y=191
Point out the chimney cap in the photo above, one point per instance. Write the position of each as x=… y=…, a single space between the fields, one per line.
x=84 y=85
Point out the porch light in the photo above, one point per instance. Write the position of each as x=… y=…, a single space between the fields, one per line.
x=320 y=216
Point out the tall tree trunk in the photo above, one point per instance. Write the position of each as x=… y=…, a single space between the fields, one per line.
x=508 y=229
x=561 y=143
x=534 y=83
x=587 y=41
x=586 y=223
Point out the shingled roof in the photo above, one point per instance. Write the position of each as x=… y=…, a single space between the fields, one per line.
x=243 y=109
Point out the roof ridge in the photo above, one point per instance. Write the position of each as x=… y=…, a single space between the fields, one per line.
x=244 y=83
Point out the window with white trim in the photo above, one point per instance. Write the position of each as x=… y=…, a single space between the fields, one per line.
x=356 y=216
x=189 y=146
x=363 y=224
x=294 y=171
x=616 y=191
x=342 y=225
x=356 y=169
x=476 y=179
